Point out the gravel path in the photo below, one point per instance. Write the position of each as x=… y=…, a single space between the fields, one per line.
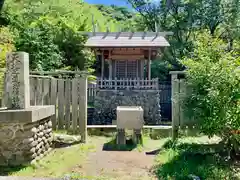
x=117 y=165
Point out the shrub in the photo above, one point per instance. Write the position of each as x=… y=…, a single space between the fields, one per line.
x=214 y=77
x=6 y=45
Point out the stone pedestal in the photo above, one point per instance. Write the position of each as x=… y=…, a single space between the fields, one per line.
x=26 y=135
x=121 y=138
x=137 y=136
x=129 y=117
x=25 y=131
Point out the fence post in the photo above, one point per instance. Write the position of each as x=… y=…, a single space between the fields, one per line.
x=74 y=105
x=68 y=101
x=60 y=104
x=83 y=108
x=182 y=95
x=53 y=97
x=157 y=84
x=175 y=106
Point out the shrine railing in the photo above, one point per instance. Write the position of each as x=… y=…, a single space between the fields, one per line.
x=138 y=84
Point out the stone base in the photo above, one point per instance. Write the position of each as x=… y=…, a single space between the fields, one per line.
x=31 y=114
x=106 y=102
x=23 y=142
x=137 y=136
x=121 y=137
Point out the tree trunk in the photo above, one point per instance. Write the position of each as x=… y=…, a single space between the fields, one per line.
x=230 y=44
x=1 y=5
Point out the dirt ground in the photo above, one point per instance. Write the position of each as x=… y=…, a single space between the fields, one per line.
x=117 y=165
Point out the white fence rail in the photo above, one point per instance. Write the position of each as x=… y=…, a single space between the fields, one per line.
x=128 y=84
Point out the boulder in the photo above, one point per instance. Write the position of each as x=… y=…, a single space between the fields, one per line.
x=64 y=140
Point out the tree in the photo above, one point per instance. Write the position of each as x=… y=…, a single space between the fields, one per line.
x=177 y=17
x=6 y=45
x=49 y=32
x=185 y=18
x=70 y=44
x=38 y=41
x=213 y=75
x=230 y=29
x=1 y=5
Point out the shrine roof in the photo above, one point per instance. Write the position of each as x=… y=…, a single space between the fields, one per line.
x=127 y=39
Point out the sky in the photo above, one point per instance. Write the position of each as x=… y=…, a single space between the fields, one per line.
x=108 y=2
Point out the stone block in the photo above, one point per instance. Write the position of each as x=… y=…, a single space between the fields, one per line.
x=17 y=94
x=21 y=125
x=20 y=147
x=129 y=117
x=31 y=114
x=106 y=103
x=137 y=136
x=121 y=137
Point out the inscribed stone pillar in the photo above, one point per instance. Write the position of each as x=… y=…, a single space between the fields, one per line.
x=17 y=94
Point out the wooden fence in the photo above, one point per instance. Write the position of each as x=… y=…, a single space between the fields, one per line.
x=69 y=97
x=180 y=90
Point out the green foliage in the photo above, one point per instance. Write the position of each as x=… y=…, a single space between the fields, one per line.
x=198 y=157
x=124 y=17
x=185 y=18
x=118 y=13
x=49 y=32
x=69 y=41
x=6 y=45
x=214 y=77
x=39 y=42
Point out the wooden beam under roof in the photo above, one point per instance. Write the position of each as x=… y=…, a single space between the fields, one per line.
x=105 y=35
x=157 y=34
x=118 y=34
x=144 y=34
x=131 y=35
x=156 y=27
x=138 y=34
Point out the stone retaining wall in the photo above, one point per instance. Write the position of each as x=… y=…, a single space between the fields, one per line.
x=23 y=143
x=106 y=102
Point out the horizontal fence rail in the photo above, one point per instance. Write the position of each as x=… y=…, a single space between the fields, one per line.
x=127 y=84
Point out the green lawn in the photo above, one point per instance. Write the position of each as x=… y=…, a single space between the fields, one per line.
x=196 y=156
x=55 y=164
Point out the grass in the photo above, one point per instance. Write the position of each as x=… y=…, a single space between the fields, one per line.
x=54 y=164
x=174 y=161
x=197 y=156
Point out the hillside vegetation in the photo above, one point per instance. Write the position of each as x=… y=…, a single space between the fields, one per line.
x=49 y=31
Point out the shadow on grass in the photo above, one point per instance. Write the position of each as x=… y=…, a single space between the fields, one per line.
x=57 y=144
x=107 y=132
x=5 y=171
x=112 y=146
x=207 y=161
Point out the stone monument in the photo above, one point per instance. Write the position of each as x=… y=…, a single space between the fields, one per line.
x=129 y=117
x=25 y=131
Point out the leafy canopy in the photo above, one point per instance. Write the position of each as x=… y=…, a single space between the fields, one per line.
x=213 y=73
